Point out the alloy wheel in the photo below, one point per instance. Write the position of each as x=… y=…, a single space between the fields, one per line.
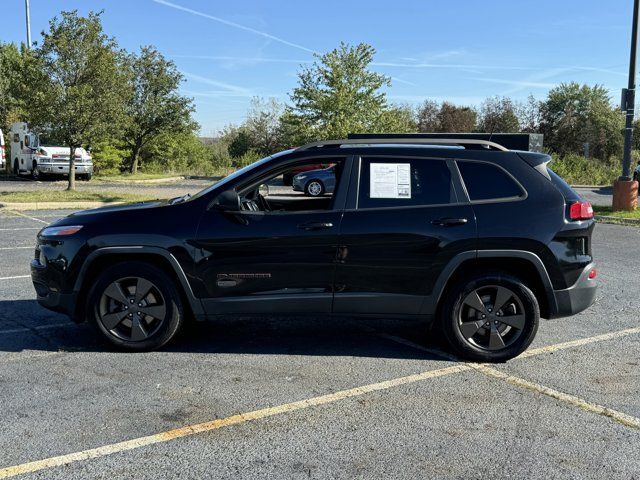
x=314 y=188
x=132 y=309
x=491 y=317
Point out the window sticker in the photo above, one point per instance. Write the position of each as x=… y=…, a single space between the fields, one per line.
x=390 y=180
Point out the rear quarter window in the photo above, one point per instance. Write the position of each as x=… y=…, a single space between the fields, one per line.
x=485 y=181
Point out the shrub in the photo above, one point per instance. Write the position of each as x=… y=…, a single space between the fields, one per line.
x=578 y=170
x=107 y=158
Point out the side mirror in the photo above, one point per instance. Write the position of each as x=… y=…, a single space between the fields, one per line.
x=263 y=190
x=227 y=201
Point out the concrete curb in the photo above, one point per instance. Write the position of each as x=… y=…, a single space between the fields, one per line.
x=632 y=222
x=148 y=180
x=55 y=205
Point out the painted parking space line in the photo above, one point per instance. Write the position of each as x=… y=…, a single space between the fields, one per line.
x=37 y=327
x=587 y=406
x=572 y=400
x=30 y=247
x=15 y=277
x=166 y=436
x=28 y=216
x=19 y=228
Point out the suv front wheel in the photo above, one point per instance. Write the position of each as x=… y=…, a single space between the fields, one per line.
x=136 y=306
x=490 y=318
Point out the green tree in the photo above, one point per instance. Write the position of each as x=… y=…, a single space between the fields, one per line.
x=574 y=114
x=454 y=119
x=427 y=117
x=499 y=115
x=529 y=115
x=263 y=126
x=78 y=96
x=155 y=106
x=337 y=95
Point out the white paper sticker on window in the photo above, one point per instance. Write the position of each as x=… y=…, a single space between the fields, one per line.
x=390 y=180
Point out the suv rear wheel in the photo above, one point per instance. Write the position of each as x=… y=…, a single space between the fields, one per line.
x=491 y=317
x=136 y=306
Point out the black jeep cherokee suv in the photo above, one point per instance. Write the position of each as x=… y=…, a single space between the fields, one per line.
x=481 y=240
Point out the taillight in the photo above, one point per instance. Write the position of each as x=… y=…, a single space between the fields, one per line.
x=580 y=211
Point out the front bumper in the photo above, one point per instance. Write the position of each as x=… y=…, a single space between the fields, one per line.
x=578 y=297
x=298 y=184
x=62 y=168
x=48 y=297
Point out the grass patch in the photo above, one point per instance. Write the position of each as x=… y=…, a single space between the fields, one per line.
x=71 y=196
x=600 y=210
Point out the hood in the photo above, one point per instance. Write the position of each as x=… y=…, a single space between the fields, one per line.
x=120 y=208
x=64 y=151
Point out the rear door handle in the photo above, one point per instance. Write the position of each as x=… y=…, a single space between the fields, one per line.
x=449 y=222
x=315 y=226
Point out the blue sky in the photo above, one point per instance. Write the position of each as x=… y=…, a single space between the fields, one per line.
x=462 y=51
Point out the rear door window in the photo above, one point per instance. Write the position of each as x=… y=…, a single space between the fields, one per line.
x=398 y=182
x=485 y=181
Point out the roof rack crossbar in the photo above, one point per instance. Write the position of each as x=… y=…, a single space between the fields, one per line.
x=461 y=142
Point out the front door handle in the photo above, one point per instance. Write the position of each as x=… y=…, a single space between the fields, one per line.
x=449 y=222
x=315 y=226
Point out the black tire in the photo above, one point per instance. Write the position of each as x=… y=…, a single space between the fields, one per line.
x=515 y=321
x=314 y=188
x=287 y=179
x=103 y=307
x=88 y=176
x=16 y=168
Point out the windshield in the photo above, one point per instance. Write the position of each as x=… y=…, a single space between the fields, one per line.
x=237 y=173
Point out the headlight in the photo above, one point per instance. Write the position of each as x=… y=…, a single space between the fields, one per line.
x=300 y=177
x=44 y=159
x=60 y=231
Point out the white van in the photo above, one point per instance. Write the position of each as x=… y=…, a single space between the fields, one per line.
x=29 y=157
x=3 y=155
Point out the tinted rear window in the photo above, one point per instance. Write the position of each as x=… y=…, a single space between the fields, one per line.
x=560 y=184
x=488 y=182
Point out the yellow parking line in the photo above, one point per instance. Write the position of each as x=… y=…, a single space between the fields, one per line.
x=620 y=417
x=223 y=422
x=166 y=436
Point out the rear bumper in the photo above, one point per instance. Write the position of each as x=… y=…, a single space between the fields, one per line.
x=576 y=298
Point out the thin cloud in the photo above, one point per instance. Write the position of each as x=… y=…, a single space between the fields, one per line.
x=229 y=89
x=234 y=25
x=406 y=82
x=221 y=58
x=516 y=83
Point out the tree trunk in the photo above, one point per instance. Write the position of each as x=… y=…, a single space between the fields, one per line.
x=134 y=163
x=72 y=168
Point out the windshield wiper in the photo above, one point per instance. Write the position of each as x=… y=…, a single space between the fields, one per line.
x=181 y=199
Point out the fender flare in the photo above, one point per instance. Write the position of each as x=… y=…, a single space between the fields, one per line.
x=432 y=301
x=194 y=302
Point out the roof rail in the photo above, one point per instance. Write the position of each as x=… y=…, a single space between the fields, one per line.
x=399 y=140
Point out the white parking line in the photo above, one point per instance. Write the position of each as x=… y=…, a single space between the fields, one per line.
x=37 y=327
x=17 y=276
x=190 y=430
x=31 y=247
x=19 y=228
x=29 y=217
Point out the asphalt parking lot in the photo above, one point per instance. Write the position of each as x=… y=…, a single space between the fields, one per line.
x=318 y=398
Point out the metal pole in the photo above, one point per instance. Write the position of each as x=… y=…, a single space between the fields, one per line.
x=28 y=15
x=630 y=100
